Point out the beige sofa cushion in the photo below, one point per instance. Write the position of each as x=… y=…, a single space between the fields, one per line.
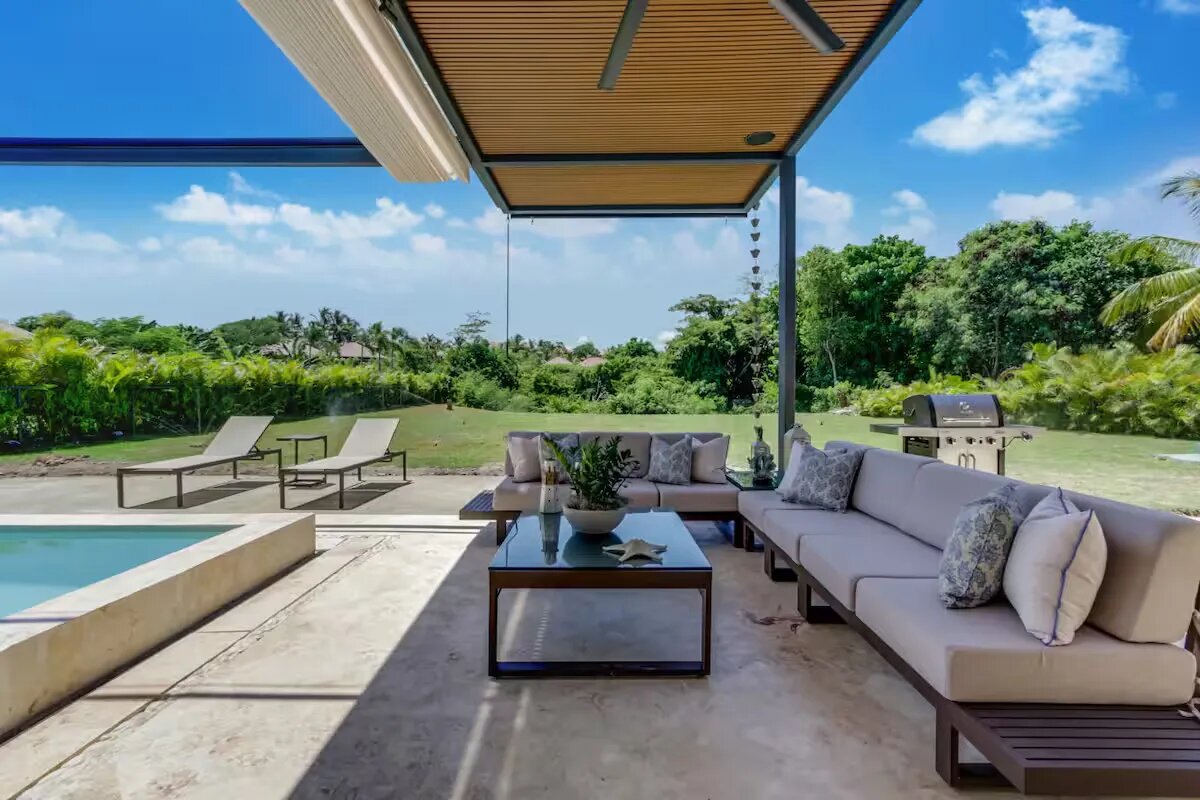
x=708 y=460
x=508 y=465
x=753 y=505
x=984 y=654
x=513 y=496
x=840 y=562
x=1149 y=586
x=640 y=493
x=940 y=491
x=699 y=497
x=884 y=485
x=787 y=528
x=636 y=442
x=525 y=459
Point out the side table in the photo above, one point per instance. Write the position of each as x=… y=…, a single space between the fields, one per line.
x=296 y=439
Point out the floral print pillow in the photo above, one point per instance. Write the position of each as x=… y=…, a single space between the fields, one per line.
x=972 y=568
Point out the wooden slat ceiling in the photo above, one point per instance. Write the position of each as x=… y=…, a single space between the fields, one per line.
x=700 y=76
x=618 y=185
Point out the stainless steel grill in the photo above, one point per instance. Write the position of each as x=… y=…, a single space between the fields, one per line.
x=966 y=430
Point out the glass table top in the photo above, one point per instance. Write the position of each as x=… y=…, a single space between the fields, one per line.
x=548 y=541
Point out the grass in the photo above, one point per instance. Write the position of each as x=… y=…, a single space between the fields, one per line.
x=1120 y=467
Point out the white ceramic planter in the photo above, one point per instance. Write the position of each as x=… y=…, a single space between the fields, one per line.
x=594 y=521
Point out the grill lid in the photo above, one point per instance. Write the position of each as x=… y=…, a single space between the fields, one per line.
x=953 y=411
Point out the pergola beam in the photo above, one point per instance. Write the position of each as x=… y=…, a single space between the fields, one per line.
x=698 y=210
x=622 y=43
x=628 y=159
x=147 y=152
x=787 y=301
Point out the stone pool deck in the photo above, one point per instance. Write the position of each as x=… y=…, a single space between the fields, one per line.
x=362 y=674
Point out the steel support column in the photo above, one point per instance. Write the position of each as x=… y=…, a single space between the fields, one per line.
x=787 y=301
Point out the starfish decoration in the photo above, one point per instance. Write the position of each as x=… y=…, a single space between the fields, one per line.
x=636 y=548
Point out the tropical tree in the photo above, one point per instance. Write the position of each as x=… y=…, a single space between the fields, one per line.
x=1173 y=296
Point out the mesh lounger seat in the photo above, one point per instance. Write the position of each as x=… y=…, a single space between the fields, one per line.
x=369 y=442
x=236 y=441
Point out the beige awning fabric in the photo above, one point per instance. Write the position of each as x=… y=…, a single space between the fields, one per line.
x=351 y=55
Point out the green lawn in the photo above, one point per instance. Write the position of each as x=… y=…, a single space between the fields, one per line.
x=1121 y=467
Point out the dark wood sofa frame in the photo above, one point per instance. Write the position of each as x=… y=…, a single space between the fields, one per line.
x=254 y=455
x=1035 y=748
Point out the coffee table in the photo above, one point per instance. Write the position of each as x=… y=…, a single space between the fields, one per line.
x=545 y=552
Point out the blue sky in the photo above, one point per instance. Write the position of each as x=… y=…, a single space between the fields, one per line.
x=977 y=110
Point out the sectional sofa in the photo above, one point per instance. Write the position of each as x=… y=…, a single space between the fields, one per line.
x=714 y=501
x=876 y=566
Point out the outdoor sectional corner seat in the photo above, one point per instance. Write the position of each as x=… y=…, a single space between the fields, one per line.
x=710 y=501
x=876 y=566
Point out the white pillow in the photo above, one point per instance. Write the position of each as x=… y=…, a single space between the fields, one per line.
x=708 y=460
x=1055 y=568
x=793 y=469
x=526 y=458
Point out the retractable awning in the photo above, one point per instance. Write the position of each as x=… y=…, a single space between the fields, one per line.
x=351 y=56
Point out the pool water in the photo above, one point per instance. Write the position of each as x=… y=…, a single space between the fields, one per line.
x=39 y=563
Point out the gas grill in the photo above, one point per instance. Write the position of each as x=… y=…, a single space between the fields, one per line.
x=966 y=430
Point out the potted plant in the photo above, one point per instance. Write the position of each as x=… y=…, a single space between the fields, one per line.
x=597 y=471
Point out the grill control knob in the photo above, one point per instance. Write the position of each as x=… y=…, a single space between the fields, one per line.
x=949 y=440
x=991 y=440
x=970 y=440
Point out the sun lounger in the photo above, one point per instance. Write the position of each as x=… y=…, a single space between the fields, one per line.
x=236 y=441
x=369 y=442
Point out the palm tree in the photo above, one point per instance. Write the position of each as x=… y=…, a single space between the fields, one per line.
x=379 y=341
x=1174 y=295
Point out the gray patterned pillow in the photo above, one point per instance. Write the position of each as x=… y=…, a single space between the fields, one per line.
x=670 y=463
x=824 y=478
x=972 y=569
x=568 y=442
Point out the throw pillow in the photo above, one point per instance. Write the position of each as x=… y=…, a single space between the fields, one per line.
x=568 y=442
x=972 y=569
x=1055 y=568
x=525 y=456
x=823 y=478
x=670 y=463
x=708 y=460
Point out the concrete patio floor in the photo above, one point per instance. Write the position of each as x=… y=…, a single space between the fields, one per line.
x=361 y=674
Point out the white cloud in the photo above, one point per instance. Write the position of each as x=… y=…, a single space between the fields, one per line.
x=151 y=244
x=89 y=242
x=290 y=255
x=572 y=228
x=1180 y=6
x=1164 y=101
x=581 y=340
x=455 y=222
x=1136 y=207
x=664 y=338
x=326 y=227
x=428 y=244
x=39 y=222
x=434 y=211
x=491 y=221
x=913 y=218
x=29 y=259
x=239 y=185
x=207 y=250
x=209 y=208
x=822 y=215
x=1074 y=64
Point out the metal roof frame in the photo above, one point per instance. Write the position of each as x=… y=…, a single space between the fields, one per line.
x=147 y=152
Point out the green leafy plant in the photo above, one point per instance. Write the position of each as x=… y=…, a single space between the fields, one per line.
x=597 y=471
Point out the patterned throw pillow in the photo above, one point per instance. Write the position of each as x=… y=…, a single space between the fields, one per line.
x=823 y=478
x=972 y=568
x=670 y=463
x=568 y=442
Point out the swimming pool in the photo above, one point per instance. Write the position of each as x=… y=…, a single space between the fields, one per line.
x=38 y=563
x=83 y=595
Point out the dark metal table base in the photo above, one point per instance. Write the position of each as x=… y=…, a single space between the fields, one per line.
x=498 y=580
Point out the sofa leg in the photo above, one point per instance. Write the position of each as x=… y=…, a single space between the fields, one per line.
x=775 y=573
x=814 y=614
x=946 y=749
x=739 y=533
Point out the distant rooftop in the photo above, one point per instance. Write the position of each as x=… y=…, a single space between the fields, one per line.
x=14 y=331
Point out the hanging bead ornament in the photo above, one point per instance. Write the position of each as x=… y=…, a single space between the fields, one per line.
x=762 y=462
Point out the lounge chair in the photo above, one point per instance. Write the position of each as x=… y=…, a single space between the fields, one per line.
x=236 y=441
x=369 y=442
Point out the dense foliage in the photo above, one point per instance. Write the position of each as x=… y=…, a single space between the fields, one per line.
x=875 y=322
